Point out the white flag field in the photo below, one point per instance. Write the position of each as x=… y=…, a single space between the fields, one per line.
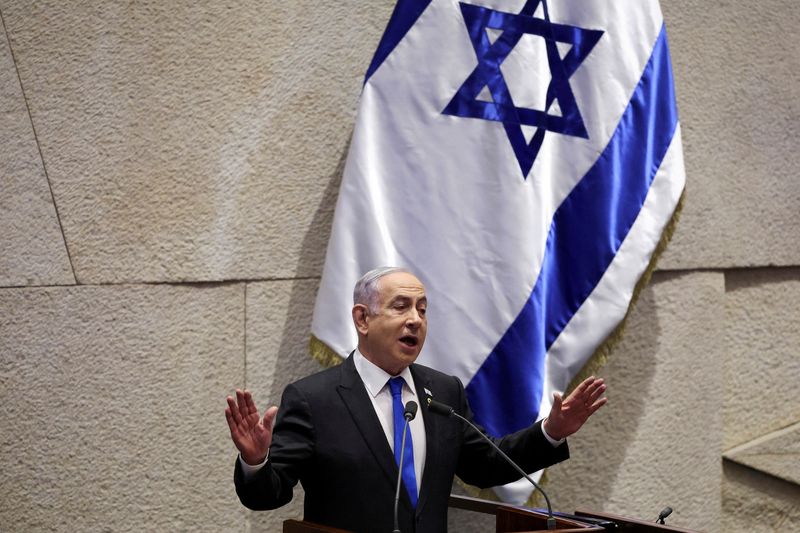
x=523 y=159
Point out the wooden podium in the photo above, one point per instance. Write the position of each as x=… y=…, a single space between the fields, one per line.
x=516 y=519
x=513 y=518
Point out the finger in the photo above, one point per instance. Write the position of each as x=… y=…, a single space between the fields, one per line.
x=557 y=403
x=269 y=417
x=242 y=404
x=590 y=386
x=598 y=382
x=597 y=405
x=232 y=425
x=251 y=405
x=580 y=390
x=596 y=393
x=234 y=410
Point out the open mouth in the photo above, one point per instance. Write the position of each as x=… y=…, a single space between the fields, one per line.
x=409 y=341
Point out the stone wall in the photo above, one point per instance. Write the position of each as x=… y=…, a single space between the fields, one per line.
x=168 y=172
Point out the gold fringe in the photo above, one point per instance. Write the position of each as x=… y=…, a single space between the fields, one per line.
x=322 y=353
x=327 y=357
x=600 y=356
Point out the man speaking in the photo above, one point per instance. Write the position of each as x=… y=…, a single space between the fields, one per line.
x=336 y=432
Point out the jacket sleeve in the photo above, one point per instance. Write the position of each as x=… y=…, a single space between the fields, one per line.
x=292 y=447
x=479 y=463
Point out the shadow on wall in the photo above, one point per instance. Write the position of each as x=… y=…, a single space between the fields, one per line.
x=753 y=501
x=759 y=277
x=586 y=480
x=293 y=360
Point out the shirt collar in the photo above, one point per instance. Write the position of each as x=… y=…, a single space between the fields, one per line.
x=375 y=378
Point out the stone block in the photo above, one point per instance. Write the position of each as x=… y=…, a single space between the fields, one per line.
x=658 y=442
x=278 y=329
x=738 y=95
x=754 y=502
x=32 y=248
x=776 y=454
x=762 y=369
x=113 y=401
x=190 y=141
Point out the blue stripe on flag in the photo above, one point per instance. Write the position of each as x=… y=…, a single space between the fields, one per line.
x=587 y=230
x=405 y=14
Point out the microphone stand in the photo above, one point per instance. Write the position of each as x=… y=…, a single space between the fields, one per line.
x=409 y=414
x=446 y=410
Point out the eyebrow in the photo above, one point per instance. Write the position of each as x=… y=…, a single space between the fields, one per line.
x=404 y=298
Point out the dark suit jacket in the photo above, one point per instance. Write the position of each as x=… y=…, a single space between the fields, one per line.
x=328 y=437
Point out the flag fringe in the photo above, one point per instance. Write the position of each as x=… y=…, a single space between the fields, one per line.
x=327 y=357
x=601 y=354
x=322 y=353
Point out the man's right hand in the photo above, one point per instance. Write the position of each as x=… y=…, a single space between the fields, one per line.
x=251 y=434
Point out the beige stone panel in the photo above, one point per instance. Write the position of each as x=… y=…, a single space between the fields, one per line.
x=754 y=502
x=738 y=84
x=658 y=441
x=194 y=140
x=278 y=329
x=762 y=366
x=32 y=249
x=777 y=454
x=113 y=403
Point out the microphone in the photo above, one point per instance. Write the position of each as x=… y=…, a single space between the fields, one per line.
x=409 y=414
x=663 y=514
x=411 y=411
x=445 y=410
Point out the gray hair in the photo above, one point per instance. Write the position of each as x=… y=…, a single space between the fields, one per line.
x=366 y=289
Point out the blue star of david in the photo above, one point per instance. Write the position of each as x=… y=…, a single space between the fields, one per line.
x=487 y=74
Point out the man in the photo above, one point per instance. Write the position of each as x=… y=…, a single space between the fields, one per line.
x=336 y=430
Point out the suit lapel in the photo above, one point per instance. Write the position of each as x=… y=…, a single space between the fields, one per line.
x=432 y=442
x=355 y=397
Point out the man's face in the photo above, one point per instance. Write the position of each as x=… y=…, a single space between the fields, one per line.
x=393 y=336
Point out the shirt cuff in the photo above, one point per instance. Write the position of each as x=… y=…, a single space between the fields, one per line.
x=550 y=439
x=250 y=470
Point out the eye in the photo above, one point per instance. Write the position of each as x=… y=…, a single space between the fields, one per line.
x=422 y=311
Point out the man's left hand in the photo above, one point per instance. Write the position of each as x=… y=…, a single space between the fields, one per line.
x=568 y=415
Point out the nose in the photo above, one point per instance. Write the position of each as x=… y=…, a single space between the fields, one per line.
x=414 y=319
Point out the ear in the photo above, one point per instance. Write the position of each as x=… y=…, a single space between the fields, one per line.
x=361 y=318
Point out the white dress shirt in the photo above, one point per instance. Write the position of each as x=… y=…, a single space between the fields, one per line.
x=376 y=381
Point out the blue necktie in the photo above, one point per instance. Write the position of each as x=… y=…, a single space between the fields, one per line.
x=409 y=478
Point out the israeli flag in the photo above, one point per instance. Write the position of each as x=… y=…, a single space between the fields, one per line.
x=523 y=159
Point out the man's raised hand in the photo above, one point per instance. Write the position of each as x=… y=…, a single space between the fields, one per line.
x=251 y=434
x=568 y=415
